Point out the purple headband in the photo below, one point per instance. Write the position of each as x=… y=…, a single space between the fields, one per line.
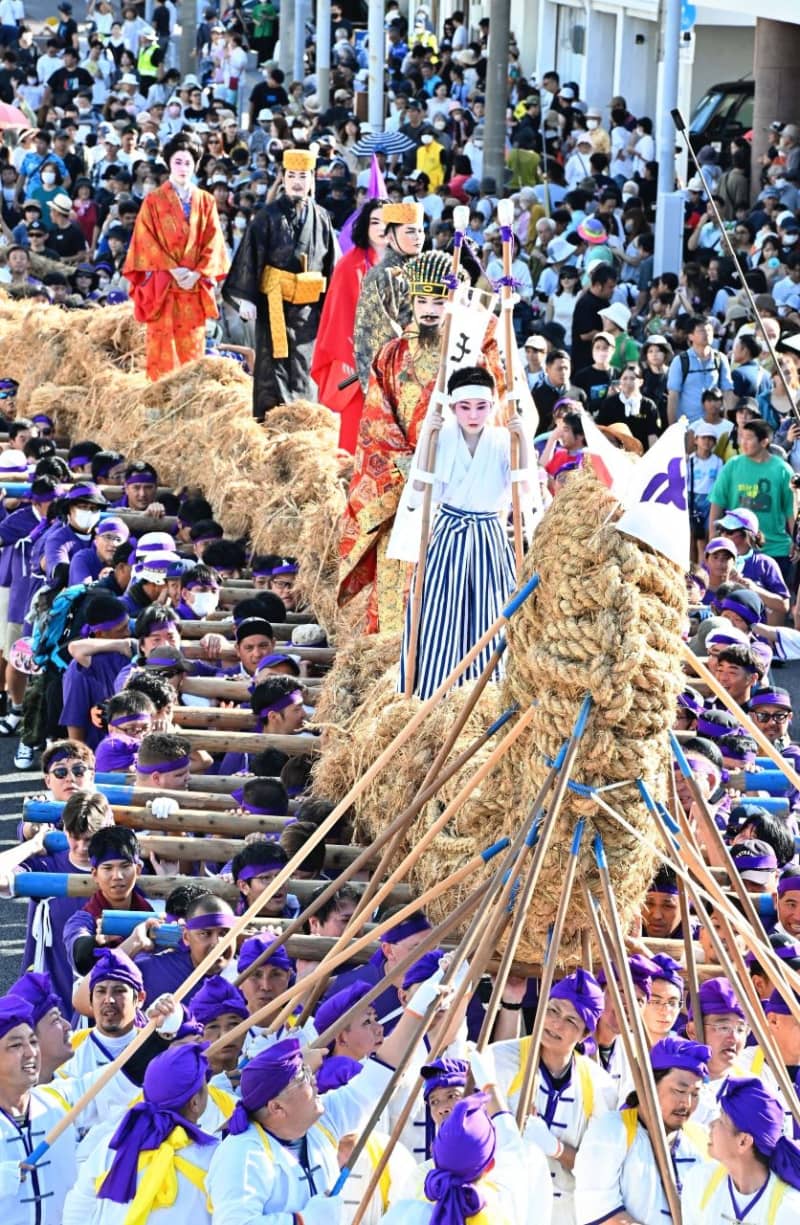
x=288 y=699
x=78 y=461
x=784 y=952
x=257 y=869
x=200 y=922
x=286 y=568
x=756 y=863
x=140 y=478
x=64 y=755
x=112 y=524
x=689 y=702
x=165 y=767
x=663 y=887
x=742 y=610
x=769 y=697
x=262 y=573
x=712 y=729
x=111 y=856
x=409 y=927
x=788 y=884
x=269 y=661
x=121 y=720
x=91 y=627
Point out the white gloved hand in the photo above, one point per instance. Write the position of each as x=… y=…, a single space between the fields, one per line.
x=247 y=311
x=162 y=807
x=167 y=1013
x=481 y=1065
x=323 y=1210
x=537 y=1132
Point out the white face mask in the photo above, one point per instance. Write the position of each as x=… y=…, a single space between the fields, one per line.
x=203 y=603
x=426 y=140
x=239 y=223
x=261 y=189
x=592 y=123
x=48 y=178
x=84 y=520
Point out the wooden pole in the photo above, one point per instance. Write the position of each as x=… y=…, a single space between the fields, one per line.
x=686 y=929
x=460 y=223
x=505 y=216
x=655 y=1122
x=250 y=742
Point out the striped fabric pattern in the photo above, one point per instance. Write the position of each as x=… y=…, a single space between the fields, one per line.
x=469 y=576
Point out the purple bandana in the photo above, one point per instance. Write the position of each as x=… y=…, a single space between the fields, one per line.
x=37 y=991
x=675 y=1052
x=14 y=1010
x=691 y=700
x=583 y=991
x=336 y=1070
x=443 y=1074
x=255 y=946
x=200 y=922
x=163 y=767
x=286 y=568
x=288 y=699
x=113 y=524
x=789 y=882
x=776 y=1003
x=770 y=697
x=94 y=627
x=216 y=997
x=643 y=971
x=422 y=969
x=140 y=478
x=716 y=996
x=337 y=1005
x=753 y=1109
x=258 y=869
x=263 y=1078
x=116 y=965
x=730 y=604
x=462 y=1150
x=124 y=720
x=409 y=927
x=170 y=1081
x=669 y=971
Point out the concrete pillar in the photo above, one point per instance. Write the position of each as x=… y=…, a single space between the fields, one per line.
x=323 y=58
x=494 y=141
x=775 y=59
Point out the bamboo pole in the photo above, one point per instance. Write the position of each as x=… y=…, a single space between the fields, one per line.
x=655 y=1122
x=400 y=822
x=686 y=928
x=505 y=216
x=460 y=223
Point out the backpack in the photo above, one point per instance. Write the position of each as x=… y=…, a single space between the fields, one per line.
x=716 y=358
x=51 y=630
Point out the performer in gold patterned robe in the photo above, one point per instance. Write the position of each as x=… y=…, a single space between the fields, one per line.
x=402 y=379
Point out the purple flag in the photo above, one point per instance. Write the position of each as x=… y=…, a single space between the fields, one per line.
x=376 y=190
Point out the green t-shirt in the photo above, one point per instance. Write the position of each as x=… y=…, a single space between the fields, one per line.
x=763 y=488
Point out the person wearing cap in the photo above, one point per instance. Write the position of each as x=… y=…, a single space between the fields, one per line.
x=175 y=258
x=286 y=1137
x=66 y=238
x=93 y=561
x=616 y=1172
x=402 y=381
x=535 y=350
x=703 y=469
x=754 y=569
x=770 y=708
x=115 y=995
x=50 y=1025
x=384 y=303
x=570 y=1089
x=756 y=1175
x=615 y=319
x=277 y=280
x=760 y=481
x=81 y=507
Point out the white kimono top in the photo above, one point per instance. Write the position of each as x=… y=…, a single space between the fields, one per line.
x=708 y=1198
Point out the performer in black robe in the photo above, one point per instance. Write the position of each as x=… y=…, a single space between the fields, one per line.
x=278 y=278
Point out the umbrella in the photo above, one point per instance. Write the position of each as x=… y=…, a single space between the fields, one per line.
x=383 y=142
x=13 y=117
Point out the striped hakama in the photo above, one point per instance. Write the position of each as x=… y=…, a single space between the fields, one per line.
x=469 y=577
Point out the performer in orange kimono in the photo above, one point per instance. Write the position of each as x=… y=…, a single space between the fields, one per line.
x=334 y=358
x=176 y=256
x=401 y=383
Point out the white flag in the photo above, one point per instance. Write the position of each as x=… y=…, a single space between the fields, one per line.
x=471 y=312
x=655 y=501
x=611 y=465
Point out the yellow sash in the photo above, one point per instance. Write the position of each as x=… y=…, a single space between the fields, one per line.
x=158 y=1185
x=581 y=1067
x=298 y=288
x=375 y=1152
x=778 y=1192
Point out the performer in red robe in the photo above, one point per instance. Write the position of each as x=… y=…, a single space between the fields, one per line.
x=401 y=383
x=176 y=256
x=334 y=358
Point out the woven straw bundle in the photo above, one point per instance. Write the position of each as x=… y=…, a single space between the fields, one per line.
x=605 y=620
